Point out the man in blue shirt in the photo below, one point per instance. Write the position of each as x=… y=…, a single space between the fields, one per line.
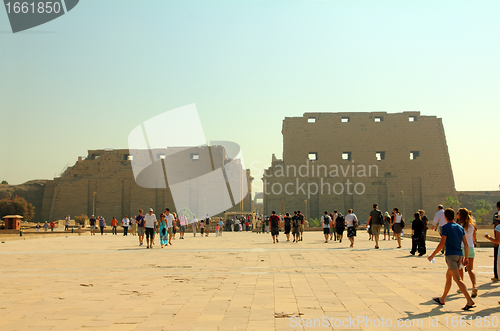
x=452 y=236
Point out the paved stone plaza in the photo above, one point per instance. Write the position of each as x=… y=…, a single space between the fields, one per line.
x=240 y=281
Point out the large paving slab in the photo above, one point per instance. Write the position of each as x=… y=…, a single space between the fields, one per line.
x=240 y=281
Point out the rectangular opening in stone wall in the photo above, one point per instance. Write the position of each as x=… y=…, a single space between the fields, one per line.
x=412 y=118
x=379 y=119
x=313 y=156
x=346 y=119
x=380 y=156
x=347 y=156
x=311 y=120
x=195 y=156
x=414 y=155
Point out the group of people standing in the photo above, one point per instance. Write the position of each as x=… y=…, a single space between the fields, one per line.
x=293 y=224
x=334 y=225
x=147 y=225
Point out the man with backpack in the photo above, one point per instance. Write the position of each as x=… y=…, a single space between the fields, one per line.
x=376 y=220
x=295 y=227
x=339 y=226
x=274 y=224
x=301 y=226
x=326 y=221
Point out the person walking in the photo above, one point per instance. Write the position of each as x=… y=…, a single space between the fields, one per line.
x=52 y=226
x=221 y=226
x=439 y=221
x=274 y=225
x=326 y=221
x=387 y=225
x=125 y=225
x=302 y=224
x=425 y=220
x=208 y=221
x=469 y=226
x=194 y=225
x=202 y=227
x=140 y=222
x=170 y=225
x=375 y=220
x=135 y=226
x=352 y=222
x=496 y=242
x=398 y=225
x=333 y=230
x=259 y=225
x=102 y=224
x=417 y=236
x=92 y=222
x=66 y=223
x=452 y=235
x=175 y=226
x=150 y=227
x=114 y=226
x=45 y=226
x=38 y=227
x=217 y=227
x=288 y=226
x=163 y=230
x=295 y=227
x=182 y=225
x=339 y=225
x=496 y=222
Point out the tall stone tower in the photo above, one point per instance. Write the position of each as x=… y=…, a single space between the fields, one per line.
x=353 y=160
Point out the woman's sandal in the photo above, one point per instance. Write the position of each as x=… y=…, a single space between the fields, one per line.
x=438 y=300
x=467 y=307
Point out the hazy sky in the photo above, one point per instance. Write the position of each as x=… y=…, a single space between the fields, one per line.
x=86 y=79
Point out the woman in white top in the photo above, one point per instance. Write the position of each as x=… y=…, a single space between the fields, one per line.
x=351 y=221
x=398 y=227
x=465 y=220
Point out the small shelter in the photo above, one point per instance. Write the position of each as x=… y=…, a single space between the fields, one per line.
x=12 y=222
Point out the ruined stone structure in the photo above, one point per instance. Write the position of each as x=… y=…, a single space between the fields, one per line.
x=103 y=184
x=353 y=160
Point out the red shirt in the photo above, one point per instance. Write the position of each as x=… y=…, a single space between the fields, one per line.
x=52 y=224
x=114 y=222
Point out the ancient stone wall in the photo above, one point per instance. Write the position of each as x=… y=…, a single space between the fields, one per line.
x=395 y=160
x=109 y=174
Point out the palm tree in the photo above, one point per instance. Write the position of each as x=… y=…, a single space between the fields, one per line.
x=451 y=202
x=482 y=209
x=482 y=204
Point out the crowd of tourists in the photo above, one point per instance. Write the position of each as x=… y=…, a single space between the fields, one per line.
x=149 y=226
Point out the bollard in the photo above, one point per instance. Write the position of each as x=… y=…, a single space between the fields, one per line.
x=72 y=230
x=21 y=232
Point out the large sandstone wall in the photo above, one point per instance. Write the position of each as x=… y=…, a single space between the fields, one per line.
x=109 y=174
x=425 y=180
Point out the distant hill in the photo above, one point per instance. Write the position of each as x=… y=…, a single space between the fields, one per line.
x=32 y=191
